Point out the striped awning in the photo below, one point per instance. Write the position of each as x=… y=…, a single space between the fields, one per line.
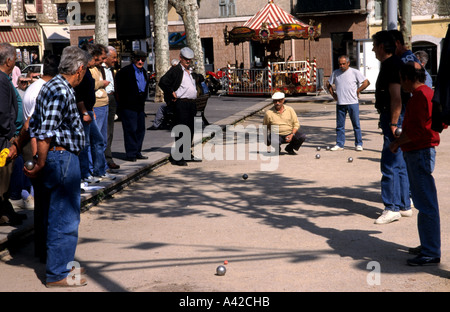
x=273 y=15
x=20 y=36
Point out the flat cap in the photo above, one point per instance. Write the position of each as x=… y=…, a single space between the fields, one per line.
x=187 y=53
x=278 y=95
x=139 y=53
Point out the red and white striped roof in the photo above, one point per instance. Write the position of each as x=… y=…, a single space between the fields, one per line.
x=273 y=15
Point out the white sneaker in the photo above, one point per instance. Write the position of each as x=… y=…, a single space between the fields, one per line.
x=336 y=148
x=107 y=176
x=29 y=202
x=91 y=179
x=359 y=148
x=406 y=213
x=388 y=216
x=17 y=203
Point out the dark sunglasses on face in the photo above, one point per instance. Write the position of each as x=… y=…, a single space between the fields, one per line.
x=142 y=59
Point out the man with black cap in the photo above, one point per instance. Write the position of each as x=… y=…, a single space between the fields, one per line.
x=286 y=119
x=131 y=92
x=179 y=85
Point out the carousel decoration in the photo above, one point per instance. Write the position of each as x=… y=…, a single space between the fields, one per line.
x=272 y=26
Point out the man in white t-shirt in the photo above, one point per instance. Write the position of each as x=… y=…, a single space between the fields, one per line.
x=349 y=83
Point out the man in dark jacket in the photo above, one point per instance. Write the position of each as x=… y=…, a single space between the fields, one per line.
x=131 y=92
x=180 y=91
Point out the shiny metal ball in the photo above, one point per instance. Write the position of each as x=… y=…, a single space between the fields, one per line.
x=350 y=159
x=29 y=165
x=318 y=148
x=328 y=148
x=221 y=270
x=317 y=156
x=398 y=131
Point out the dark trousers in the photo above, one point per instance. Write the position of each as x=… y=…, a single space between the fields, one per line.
x=133 y=125
x=184 y=114
x=296 y=142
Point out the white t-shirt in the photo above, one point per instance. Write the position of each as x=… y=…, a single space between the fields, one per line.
x=346 y=85
x=29 y=98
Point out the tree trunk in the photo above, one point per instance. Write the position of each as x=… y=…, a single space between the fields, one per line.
x=101 y=21
x=161 y=29
x=188 y=10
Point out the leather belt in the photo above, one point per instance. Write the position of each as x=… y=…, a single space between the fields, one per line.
x=56 y=148
x=187 y=100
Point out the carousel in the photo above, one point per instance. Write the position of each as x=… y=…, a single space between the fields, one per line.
x=271 y=27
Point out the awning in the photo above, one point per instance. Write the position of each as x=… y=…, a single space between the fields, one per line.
x=273 y=16
x=57 y=34
x=20 y=36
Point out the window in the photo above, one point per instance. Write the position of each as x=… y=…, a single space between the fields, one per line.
x=227 y=8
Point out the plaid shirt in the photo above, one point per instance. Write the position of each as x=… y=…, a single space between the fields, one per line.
x=56 y=116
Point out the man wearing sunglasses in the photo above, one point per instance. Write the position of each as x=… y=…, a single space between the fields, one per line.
x=179 y=85
x=131 y=92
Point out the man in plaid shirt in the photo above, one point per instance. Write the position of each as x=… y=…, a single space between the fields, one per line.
x=56 y=126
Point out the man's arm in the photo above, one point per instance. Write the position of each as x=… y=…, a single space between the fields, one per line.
x=42 y=151
x=396 y=104
x=363 y=86
x=330 y=89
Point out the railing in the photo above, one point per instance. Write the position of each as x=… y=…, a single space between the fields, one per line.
x=296 y=77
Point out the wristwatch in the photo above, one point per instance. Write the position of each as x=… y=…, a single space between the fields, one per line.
x=85 y=114
x=393 y=124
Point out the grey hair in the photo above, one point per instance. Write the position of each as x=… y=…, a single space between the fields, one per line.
x=7 y=51
x=422 y=56
x=111 y=49
x=71 y=59
x=347 y=58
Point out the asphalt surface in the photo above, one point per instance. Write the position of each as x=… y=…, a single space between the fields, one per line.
x=298 y=223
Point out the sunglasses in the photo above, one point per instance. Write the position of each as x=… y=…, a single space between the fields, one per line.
x=142 y=59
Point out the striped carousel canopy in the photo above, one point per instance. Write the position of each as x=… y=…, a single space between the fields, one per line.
x=273 y=16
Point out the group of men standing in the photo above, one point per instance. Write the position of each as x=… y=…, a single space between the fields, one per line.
x=69 y=128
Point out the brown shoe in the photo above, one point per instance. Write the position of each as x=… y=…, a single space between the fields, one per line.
x=82 y=270
x=113 y=165
x=65 y=283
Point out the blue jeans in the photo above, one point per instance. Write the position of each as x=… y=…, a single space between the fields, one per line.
x=101 y=114
x=59 y=193
x=420 y=164
x=96 y=145
x=353 y=113
x=394 y=180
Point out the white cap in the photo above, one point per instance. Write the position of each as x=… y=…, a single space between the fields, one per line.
x=278 y=96
x=187 y=53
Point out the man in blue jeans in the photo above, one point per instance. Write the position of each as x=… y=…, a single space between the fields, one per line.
x=95 y=143
x=57 y=127
x=418 y=142
x=390 y=102
x=349 y=84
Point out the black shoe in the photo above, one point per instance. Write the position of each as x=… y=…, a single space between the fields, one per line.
x=141 y=157
x=423 y=260
x=181 y=162
x=415 y=250
x=133 y=159
x=290 y=151
x=152 y=128
x=195 y=159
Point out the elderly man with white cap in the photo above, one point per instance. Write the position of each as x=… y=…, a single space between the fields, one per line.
x=286 y=119
x=179 y=85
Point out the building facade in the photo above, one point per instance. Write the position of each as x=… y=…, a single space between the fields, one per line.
x=32 y=26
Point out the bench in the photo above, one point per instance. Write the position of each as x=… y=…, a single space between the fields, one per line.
x=201 y=102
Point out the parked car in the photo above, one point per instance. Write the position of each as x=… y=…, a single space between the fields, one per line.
x=21 y=64
x=33 y=68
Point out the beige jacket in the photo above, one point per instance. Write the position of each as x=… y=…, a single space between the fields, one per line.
x=100 y=93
